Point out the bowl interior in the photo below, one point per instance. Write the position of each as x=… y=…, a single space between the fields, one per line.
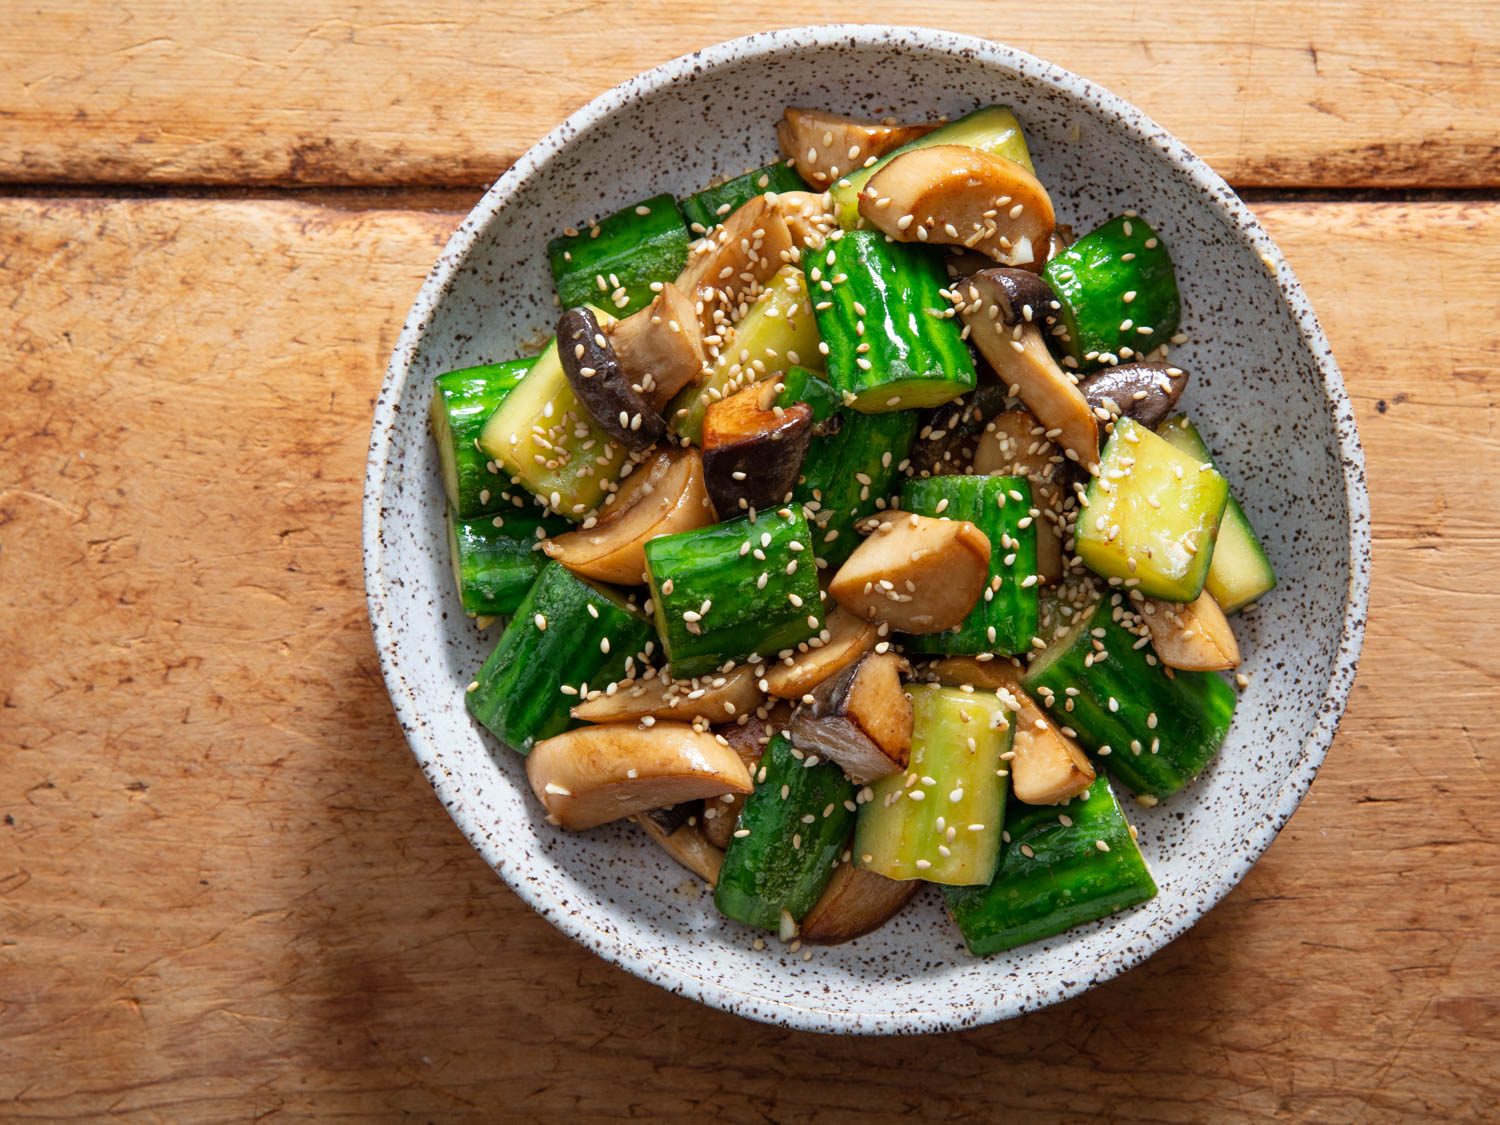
x=1264 y=392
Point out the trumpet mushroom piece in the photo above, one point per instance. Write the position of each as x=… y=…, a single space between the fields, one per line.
x=825 y=146
x=1014 y=443
x=855 y=902
x=848 y=638
x=915 y=573
x=1047 y=767
x=1005 y=311
x=752 y=454
x=605 y=391
x=660 y=347
x=734 y=261
x=961 y=196
x=1191 y=636
x=715 y=698
x=808 y=215
x=596 y=774
x=860 y=718
x=663 y=495
x=686 y=843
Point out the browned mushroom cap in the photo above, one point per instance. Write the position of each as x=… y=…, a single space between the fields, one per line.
x=602 y=387
x=960 y=196
x=1192 y=636
x=752 y=455
x=861 y=718
x=665 y=494
x=1004 y=310
x=1146 y=392
x=946 y=442
x=915 y=573
x=601 y=773
x=660 y=347
x=734 y=261
x=854 y=903
x=824 y=146
x=845 y=638
x=809 y=216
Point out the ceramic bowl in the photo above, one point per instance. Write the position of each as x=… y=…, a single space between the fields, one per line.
x=1265 y=391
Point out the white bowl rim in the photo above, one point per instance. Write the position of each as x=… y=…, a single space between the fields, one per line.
x=1127 y=117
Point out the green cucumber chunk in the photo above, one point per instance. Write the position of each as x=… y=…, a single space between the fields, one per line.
x=1005 y=618
x=790 y=835
x=734 y=591
x=567 y=635
x=1240 y=572
x=940 y=819
x=1152 y=727
x=711 y=206
x=798 y=384
x=462 y=402
x=903 y=351
x=1114 y=284
x=1151 y=515
x=497 y=557
x=993 y=129
x=1064 y=865
x=614 y=262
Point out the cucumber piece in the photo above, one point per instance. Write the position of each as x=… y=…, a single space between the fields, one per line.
x=567 y=635
x=886 y=297
x=1054 y=874
x=1151 y=516
x=993 y=129
x=614 y=262
x=778 y=331
x=734 y=591
x=949 y=799
x=1240 y=572
x=462 y=402
x=1153 y=728
x=545 y=440
x=1113 y=284
x=847 y=474
x=496 y=558
x=1005 y=619
x=795 y=826
x=711 y=206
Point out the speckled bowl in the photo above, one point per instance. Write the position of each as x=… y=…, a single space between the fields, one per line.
x=1266 y=393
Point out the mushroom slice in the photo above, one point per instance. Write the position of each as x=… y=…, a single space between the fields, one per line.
x=1004 y=310
x=664 y=494
x=915 y=573
x=747 y=739
x=824 y=146
x=593 y=775
x=854 y=903
x=945 y=444
x=1146 y=392
x=660 y=347
x=752 y=455
x=860 y=718
x=735 y=260
x=717 y=698
x=809 y=217
x=1015 y=444
x=961 y=196
x=848 y=638
x=605 y=391
x=685 y=843
x=1061 y=238
x=1047 y=767
x=1191 y=636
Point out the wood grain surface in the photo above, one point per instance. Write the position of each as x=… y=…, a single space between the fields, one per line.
x=226 y=892
x=1337 y=93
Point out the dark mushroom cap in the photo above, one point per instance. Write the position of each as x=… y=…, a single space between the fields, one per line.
x=600 y=382
x=1146 y=392
x=1015 y=292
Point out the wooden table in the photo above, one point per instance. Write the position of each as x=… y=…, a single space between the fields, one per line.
x=225 y=889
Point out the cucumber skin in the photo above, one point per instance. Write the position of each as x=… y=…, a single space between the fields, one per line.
x=1236 y=537
x=701 y=211
x=1193 y=709
x=637 y=249
x=498 y=565
x=1067 y=880
x=706 y=565
x=993 y=129
x=829 y=487
x=1091 y=281
x=519 y=698
x=915 y=356
x=464 y=400
x=762 y=873
x=1012 y=609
